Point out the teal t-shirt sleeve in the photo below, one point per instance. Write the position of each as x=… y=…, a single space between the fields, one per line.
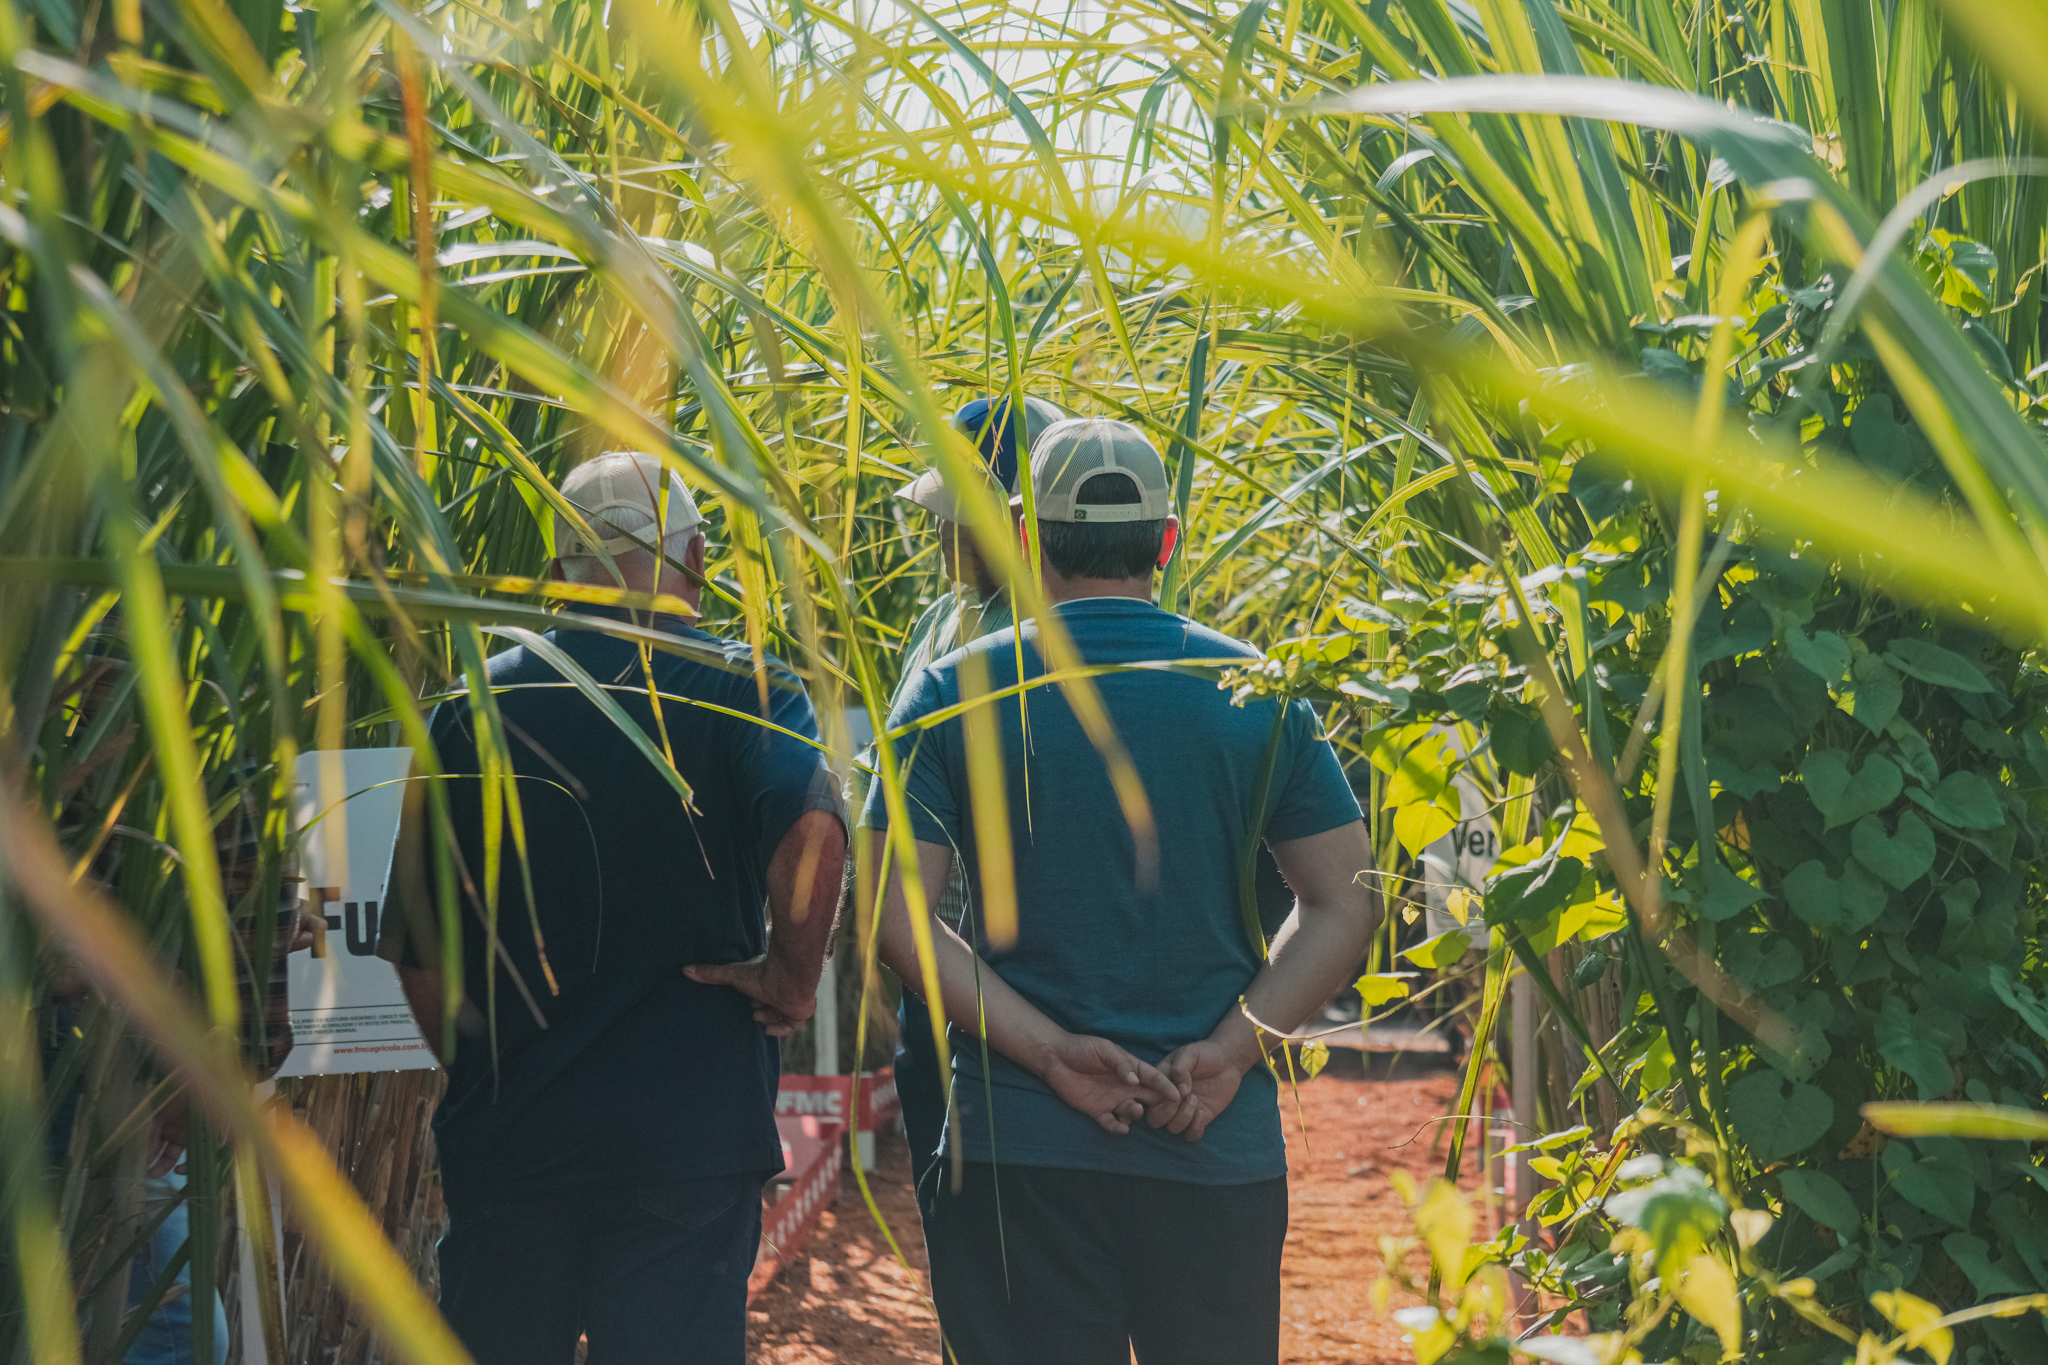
x=920 y=755
x=1313 y=795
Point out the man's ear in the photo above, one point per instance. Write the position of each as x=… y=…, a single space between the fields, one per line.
x=693 y=555
x=555 y=571
x=1169 y=540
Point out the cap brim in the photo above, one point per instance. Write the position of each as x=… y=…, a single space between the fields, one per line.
x=928 y=490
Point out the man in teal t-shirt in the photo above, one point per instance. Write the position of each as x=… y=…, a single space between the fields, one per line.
x=1110 y=1234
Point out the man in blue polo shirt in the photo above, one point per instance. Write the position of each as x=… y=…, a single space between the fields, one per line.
x=604 y=1139
x=1079 y=1233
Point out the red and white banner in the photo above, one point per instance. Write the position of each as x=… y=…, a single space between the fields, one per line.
x=878 y=1102
x=811 y=1114
x=823 y=1099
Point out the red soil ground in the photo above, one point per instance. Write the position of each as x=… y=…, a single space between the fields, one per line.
x=847 y=1301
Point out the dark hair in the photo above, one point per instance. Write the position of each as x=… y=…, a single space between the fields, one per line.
x=1104 y=549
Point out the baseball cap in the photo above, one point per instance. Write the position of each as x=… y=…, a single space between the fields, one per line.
x=1072 y=452
x=621 y=492
x=986 y=422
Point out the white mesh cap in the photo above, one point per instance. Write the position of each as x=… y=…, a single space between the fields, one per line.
x=1070 y=453
x=628 y=493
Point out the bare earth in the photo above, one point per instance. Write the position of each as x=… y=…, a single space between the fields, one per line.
x=847 y=1301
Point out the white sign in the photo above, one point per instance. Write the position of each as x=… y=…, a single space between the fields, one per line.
x=348 y=1013
x=1459 y=859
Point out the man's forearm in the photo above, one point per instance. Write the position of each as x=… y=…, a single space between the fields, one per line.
x=1311 y=958
x=804 y=878
x=803 y=895
x=972 y=996
x=1318 y=947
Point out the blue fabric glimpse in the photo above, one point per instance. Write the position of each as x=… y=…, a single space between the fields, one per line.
x=166 y=1339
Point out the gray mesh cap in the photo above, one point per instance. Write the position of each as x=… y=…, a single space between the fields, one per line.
x=631 y=501
x=1072 y=452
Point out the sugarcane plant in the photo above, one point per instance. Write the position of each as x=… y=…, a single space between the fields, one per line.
x=1642 y=394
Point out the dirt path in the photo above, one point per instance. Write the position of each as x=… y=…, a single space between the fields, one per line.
x=848 y=1302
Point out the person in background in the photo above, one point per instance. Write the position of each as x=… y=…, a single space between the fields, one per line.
x=165 y=1335
x=1079 y=1233
x=160 y=1272
x=609 y=1119
x=972 y=604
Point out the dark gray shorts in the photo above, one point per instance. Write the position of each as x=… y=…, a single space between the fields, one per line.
x=1081 y=1267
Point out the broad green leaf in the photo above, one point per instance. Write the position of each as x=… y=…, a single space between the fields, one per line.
x=1848 y=902
x=1521 y=741
x=1727 y=895
x=2018 y=998
x=1442 y=951
x=1876 y=694
x=1916 y=756
x=1906 y=1044
x=1844 y=797
x=1592 y=919
x=1527 y=894
x=1679 y=1210
x=1820 y=1197
x=1805 y=1037
x=1421 y=823
x=1824 y=654
x=1931 y=663
x=1972 y=1256
x=1777 y=1117
x=1382 y=988
x=1964 y=800
x=1424 y=772
x=1760 y=961
x=1364 y=616
x=1659 y=1062
x=1899 y=858
x=1315 y=1055
x=1931 y=1182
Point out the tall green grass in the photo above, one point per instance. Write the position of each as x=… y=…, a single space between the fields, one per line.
x=308 y=310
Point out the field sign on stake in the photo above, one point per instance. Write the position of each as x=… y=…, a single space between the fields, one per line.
x=348 y=1013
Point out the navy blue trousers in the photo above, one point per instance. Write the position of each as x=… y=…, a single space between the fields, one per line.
x=921 y=1093
x=651 y=1272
